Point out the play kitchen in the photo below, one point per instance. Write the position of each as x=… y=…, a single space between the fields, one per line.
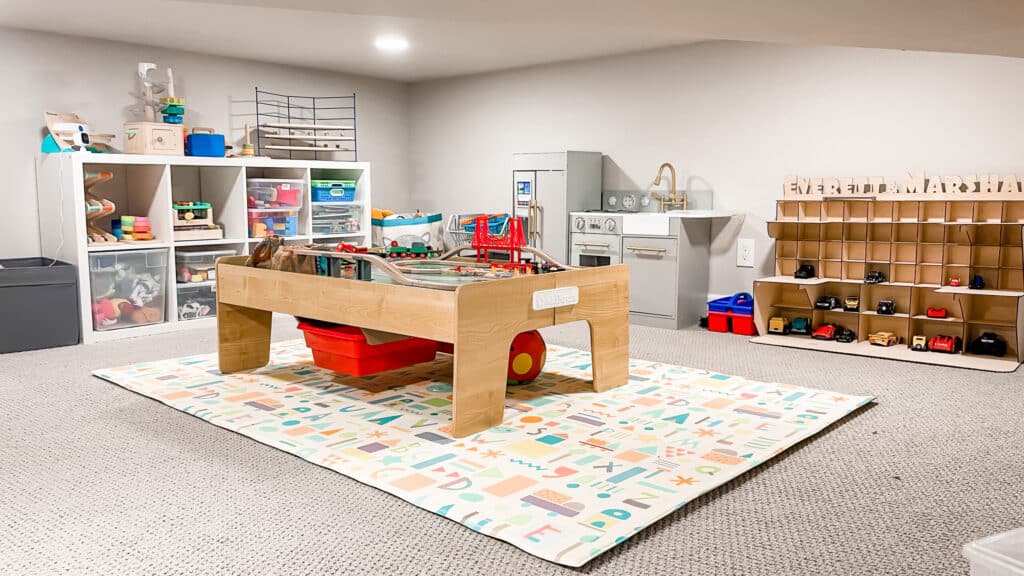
x=667 y=251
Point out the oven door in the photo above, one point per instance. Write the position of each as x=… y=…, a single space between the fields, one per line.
x=590 y=250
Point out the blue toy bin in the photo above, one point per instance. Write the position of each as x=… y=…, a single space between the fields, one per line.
x=495 y=224
x=735 y=313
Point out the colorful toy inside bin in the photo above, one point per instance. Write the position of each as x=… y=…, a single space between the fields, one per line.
x=266 y=222
x=275 y=192
x=735 y=313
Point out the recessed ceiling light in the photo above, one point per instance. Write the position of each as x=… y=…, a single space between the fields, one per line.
x=392 y=44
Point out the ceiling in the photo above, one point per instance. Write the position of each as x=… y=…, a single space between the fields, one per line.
x=456 y=37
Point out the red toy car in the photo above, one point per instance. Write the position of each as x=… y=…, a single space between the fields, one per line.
x=947 y=344
x=824 y=332
x=937 y=313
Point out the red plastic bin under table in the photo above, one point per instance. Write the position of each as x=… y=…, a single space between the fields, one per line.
x=344 y=349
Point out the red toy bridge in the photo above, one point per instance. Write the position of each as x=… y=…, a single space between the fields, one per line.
x=513 y=241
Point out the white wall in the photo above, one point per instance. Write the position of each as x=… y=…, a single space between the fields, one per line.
x=733 y=117
x=96 y=78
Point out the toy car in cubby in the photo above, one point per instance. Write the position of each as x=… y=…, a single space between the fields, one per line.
x=824 y=332
x=977 y=283
x=988 y=344
x=845 y=335
x=919 y=343
x=827 y=303
x=851 y=303
x=800 y=326
x=936 y=312
x=875 y=277
x=886 y=307
x=943 y=343
x=883 y=338
x=804 y=272
x=778 y=325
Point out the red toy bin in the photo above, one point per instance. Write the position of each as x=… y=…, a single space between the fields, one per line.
x=735 y=313
x=718 y=321
x=344 y=349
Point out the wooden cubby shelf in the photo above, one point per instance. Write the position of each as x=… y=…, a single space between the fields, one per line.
x=920 y=246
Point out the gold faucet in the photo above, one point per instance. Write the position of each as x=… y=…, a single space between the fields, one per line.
x=672 y=199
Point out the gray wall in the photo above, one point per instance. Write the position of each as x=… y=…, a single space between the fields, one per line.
x=96 y=78
x=733 y=117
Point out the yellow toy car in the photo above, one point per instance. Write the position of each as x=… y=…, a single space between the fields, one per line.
x=919 y=343
x=883 y=339
x=778 y=325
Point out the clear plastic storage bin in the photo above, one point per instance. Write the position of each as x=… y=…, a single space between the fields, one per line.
x=129 y=287
x=273 y=222
x=198 y=265
x=341 y=219
x=197 y=301
x=999 y=555
x=275 y=192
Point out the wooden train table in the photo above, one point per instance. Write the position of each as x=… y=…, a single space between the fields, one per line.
x=479 y=316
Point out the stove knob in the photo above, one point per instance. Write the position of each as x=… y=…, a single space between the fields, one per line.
x=580 y=223
x=609 y=225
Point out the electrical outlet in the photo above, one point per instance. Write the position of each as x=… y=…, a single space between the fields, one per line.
x=745 y=252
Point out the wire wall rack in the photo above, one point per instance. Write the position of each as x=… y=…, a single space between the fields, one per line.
x=317 y=127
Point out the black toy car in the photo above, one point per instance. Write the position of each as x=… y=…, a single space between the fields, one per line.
x=804 y=271
x=845 y=335
x=977 y=283
x=874 y=277
x=989 y=344
x=800 y=326
x=886 y=307
x=827 y=303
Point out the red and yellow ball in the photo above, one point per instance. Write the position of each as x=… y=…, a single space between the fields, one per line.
x=526 y=357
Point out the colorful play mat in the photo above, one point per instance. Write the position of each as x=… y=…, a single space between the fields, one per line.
x=568 y=475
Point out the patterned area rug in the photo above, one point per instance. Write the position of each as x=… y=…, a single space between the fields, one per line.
x=567 y=476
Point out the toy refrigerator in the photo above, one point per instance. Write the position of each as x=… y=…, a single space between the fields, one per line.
x=546 y=188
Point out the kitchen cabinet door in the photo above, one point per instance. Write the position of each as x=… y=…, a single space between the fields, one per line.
x=652 y=274
x=553 y=214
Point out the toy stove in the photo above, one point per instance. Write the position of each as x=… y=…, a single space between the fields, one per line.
x=194 y=221
x=595 y=238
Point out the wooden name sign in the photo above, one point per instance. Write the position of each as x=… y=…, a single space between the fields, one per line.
x=912 y=187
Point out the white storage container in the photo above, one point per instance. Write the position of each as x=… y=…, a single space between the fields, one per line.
x=275 y=192
x=999 y=555
x=129 y=288
x=408 y=228
x=198 y=265
x=197 y=301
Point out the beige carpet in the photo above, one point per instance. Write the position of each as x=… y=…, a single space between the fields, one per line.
x=97 y=480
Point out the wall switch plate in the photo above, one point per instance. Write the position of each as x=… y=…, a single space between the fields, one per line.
x=745 y=252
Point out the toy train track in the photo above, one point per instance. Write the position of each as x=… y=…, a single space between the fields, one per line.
x=400 y=270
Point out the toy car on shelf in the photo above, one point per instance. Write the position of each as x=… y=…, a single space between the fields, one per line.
x=804 y=271
x=947 y=344
x=824 y=332
x=874 y=277
x=851 y=303
x=800 y=326
x=845 y=335
x=827 y=303
x=936 y=312
x=919 y=343
x=778 y=325
x=883 y=339
x=988 y=344
x=954 y=281
x=977 y=283
x=886 y=307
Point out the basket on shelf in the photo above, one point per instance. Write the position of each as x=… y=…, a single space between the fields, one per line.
x=461 y=227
